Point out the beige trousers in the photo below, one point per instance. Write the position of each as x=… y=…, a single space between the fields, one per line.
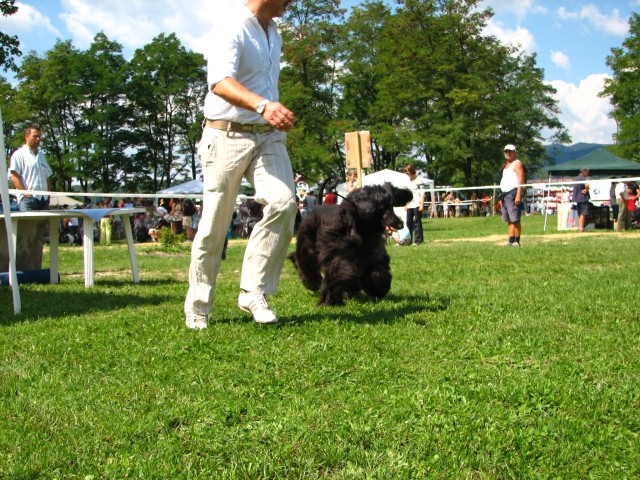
x=263 y=160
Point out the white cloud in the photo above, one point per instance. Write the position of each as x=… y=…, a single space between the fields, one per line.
x=519 y=8
x=612 y=24
x=561 y=60
x=26 y=19
x=518 y=37
x=134 y=23
x=584 y=113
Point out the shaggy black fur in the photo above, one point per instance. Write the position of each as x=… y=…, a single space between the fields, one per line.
x=341 y=248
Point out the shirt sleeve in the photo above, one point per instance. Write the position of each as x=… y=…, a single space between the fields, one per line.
x=224 y=55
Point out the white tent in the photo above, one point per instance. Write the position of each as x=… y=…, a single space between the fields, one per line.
x=193 y=187
x=61 y=200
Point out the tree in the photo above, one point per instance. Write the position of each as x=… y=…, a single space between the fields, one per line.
x=458 y=95
x=312 y=36
x=9 y=44
x=623 y=91
x=7 y=105
x=360 y=80
x=48 y=94
x=102 y=136
x=163 y=93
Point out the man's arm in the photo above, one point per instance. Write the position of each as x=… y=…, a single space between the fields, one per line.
x=276 y=114
x=17 y=182
x=519 y=169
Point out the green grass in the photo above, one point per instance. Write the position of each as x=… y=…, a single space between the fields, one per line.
x=482 y=363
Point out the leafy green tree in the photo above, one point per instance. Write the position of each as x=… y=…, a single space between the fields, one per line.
x=363 y=72
x=623 y=91
x=7 y=105
x=49 y=95
x=9 y=44
x=163 y=95
x=102 y=137
x=312 y=36
x=458 y=94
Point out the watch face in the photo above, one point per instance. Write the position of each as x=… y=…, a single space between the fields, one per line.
x=261 y=106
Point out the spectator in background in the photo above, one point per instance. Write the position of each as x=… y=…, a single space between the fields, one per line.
x=416 y=206
x=485 y=209
x=511 y=188
x=622 y=197
x=106 y=223
x=582 y=198
x=352 y=181
x=309 y=203
x=188 y=211
x=632 y=197
x=474 y=208
x=29 y=171
x=330 y=198
x=176 y=216
x=613 y=201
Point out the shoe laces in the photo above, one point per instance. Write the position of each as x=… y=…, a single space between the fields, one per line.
x=261 y=301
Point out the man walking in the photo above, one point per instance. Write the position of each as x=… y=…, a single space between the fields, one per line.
x=244 y=135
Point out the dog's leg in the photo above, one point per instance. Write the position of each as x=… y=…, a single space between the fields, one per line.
x=376 y=278
x=305 y=257
x=341 y=280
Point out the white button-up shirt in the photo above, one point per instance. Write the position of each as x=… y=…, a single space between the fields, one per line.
x=33 y=169
x=241 y=50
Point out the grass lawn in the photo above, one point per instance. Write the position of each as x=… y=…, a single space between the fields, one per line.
x=482 y=363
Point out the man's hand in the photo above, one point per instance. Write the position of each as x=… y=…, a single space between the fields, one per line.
x=279 y=116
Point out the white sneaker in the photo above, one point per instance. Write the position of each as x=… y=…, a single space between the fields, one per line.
x=195 y=321
x=256 y=304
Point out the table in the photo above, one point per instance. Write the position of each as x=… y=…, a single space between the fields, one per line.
x=89 y=215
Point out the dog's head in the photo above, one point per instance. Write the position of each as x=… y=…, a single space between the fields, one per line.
x=371 y=207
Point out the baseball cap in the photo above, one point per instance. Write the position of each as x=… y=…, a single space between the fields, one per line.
x=510 y=147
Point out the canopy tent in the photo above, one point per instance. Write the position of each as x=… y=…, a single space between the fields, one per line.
x=192 y=187
x=61 y=200
x=599 y=162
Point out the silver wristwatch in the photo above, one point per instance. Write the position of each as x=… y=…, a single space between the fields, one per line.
x=261 y=106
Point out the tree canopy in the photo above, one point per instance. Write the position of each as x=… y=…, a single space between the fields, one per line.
x=445 y=97
x=9 y=44
x=623 y=91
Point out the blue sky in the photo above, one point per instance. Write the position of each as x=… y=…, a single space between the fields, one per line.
x=571 y=39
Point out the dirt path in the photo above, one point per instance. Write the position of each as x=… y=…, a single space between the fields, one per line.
x=550 y=237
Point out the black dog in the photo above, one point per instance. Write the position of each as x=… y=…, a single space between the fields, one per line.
x=341 y=248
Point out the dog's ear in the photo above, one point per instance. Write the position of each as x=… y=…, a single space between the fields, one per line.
x=401 y=196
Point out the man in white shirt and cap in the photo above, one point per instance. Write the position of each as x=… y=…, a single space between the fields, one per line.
x=511 y=188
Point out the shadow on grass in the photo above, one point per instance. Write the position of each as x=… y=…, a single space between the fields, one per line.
x=57 y=301
x=393 y=309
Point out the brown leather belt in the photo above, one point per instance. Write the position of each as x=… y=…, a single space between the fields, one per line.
x=239 y=127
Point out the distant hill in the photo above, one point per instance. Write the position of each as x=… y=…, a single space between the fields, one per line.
x=562 y=153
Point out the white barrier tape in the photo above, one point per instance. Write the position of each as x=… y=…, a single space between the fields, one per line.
x=538 y=185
